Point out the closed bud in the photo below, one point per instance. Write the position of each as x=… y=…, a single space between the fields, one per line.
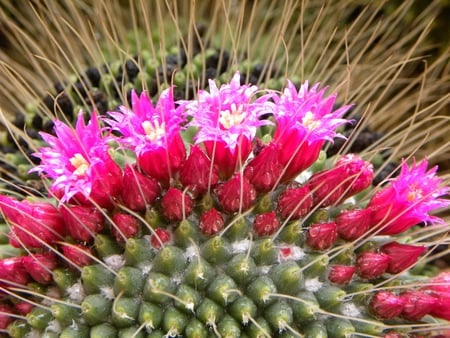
x=353 y=224
x=83 y=222
x=40 y=266
x=265 y=169
x=294 y=203
x=5 y=319
x=322 y=236
x=23 y=308
x=371 y=265
x=387 y=305
x=211 y=222
x=198 y=173
x=266 y=224
x=358 y=171
x=418 y=304
x=12 y=270
x=176 y=205
x=160 y=237
x=125 y=226
x=402 y=255
x=237 y=194
x=78 y=255
x=341 y=274
x=138 y=190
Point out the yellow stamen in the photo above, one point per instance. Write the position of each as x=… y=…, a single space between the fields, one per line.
x=309 y=121
x=80 y=164
x=233 y=117
x=154 y=131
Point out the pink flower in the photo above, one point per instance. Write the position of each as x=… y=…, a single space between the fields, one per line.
x=408 y=200
x=153 y=133
x=79 y=163
x=305 y=120
x=402 y=255
x=227 y=119
x=33 y=224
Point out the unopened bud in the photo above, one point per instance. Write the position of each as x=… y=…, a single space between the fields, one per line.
x=138 y=190
x=40 y=266
x=176 y=205
x=266 y=224
x=321 y=236
x=341 y=274
x=387 y=305
x=294 y=203
x=371 y=265
x=211 y=222
x=402 y=255
x=265 y=169
x=237 y=194
x=353 y=224
x=83 y=222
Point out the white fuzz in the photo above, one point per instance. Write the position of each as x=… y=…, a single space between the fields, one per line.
x=52 y=293
x=33 y=334
x=304 y=176
x=108 y=292
x=241 y=246
x=350 y=310
x=145 y=267
x=313 y=284
x=76 y=292
x=53 y=326
x=264 y=269
x=290 y=253
x=191 y=252
x=115 y=262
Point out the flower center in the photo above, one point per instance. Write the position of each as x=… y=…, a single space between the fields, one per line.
x=232 y=116
x=80 y=164
x=309 y=122
x=154 y=131
x=414 y=195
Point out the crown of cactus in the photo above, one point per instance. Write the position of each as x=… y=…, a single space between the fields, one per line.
x=219 y=216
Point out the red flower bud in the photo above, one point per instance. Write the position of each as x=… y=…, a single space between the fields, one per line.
x=350 y=175
x=78 y=255
x=139 y=190
x=176 y=205
x=198 y=173
x=321 y=236
x=237 y=194
x=265 y=169
x=5 y=319
x=371 y=265
x=211 y=222
x=125 y=226
x=418 y=304
x=294 y=203
x=402 y=255
x=160 y=237
x=33 y=225
x=341 y=274
x=387 y=305
x=266 y=224
x=83 y=222
x=23 y=308
x=40 y=266
x=353 y=224
x=12 y=269
x=439 y=287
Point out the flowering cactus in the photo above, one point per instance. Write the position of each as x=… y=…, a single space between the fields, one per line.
x=215 y=242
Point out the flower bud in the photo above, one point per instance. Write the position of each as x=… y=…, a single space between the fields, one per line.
x=40 y=266
x=33 y=225
x=418 y=304
x=387 y=305
x=139 y=190
x=125 y=226
x=341 y=274
x=353 y=224
x=294 y=203
x=321 y=236
x=83 y=222
x=13 y=270
x=78 y=255
x=160 y=237
x=439 y=287
x=5 y=319
x=198 y=173
x=211 y=222
x=371 y=265
x=359 y=171
x=265 y=169
x=266 y=224
x=176 y=205
x=237 y=194
x=402 y=255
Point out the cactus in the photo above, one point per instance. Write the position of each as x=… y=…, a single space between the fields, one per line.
x=219 y=214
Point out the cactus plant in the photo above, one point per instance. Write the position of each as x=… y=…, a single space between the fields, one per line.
x=220 y=214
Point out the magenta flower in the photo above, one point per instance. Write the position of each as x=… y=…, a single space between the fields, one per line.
x=408 y=200
x=153 y=133
x=227 y=119
x=305 y=120
x=79 y=163
x=33 y=224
